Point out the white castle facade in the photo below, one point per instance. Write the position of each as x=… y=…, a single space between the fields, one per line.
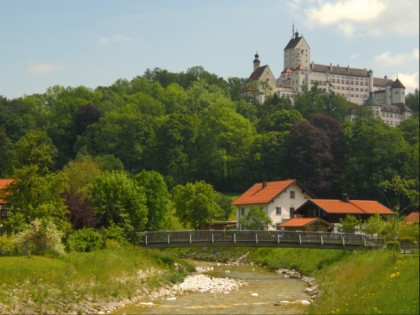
x=386 y=98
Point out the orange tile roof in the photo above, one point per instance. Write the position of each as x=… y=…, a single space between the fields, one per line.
x=412 y=217
x=371 y=206
x=296 y=222
x=258 y=195
x=3 y=184
x=352 y=207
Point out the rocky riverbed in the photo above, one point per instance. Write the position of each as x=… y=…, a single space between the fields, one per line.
x=197 y=282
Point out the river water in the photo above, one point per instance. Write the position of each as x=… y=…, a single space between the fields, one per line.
x=262 y=289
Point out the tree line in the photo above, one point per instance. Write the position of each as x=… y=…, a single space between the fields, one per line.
x=150 y=142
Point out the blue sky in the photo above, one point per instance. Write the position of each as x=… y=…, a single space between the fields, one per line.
x=95 y=42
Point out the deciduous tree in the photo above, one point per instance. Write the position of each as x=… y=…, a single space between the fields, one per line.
x=118 y=199
x=255 y=219
x=196 y=204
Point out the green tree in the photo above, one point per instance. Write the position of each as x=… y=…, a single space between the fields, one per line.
x=225 y=140
x=401 y=192
x=267 y=156
x=225 y=204
x=176 y=146
x=374 y=225
x=39 y=237
x=34 y=195
x=349 y=224
x=196 y=204
x=412 y=100
x=129 y=134
x=81 y=173
x=158 y=199
x=118 y=199
x=283 y=120
x=374 y=152
x=255 y=219
x=6 y=153
x=35 y=148
x=63 y=106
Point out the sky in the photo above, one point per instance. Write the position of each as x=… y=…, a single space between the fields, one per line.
x=96 y=42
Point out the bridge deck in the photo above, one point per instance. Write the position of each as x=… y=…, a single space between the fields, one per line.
x=258 y=239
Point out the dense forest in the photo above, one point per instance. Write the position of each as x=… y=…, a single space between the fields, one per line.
x=147 y=143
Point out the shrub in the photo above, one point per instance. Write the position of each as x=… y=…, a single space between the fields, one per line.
x=40 y=237
x=116 y=233
x=7 y=246
x=85 y=240
x=393 y=245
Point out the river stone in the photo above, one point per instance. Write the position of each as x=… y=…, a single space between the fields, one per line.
x=305 y=302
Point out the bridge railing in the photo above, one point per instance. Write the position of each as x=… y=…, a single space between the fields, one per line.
x=258 y=237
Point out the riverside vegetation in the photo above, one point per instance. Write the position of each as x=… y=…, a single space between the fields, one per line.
x=103 y=280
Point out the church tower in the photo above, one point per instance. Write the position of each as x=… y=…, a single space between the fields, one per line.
x=256 y=61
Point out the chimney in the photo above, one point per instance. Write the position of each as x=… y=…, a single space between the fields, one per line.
x=264 y=184
x=345 y=198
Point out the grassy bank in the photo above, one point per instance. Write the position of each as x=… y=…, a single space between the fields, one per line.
x=351 y=282
x=374 y=282
x=83 y=282
x=370 y=283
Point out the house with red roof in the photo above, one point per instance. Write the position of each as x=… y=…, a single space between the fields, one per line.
x=305 y=224
x=332 y=210
x=4 y=182
x=413 y=217
x=278 y=199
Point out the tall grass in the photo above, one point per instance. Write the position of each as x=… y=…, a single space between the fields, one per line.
x=370 y=283
x=352 y=282
x=58 y=284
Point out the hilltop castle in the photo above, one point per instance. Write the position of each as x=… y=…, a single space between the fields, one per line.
x=385 y=97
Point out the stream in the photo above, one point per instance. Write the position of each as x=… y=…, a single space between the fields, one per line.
x=260 y=290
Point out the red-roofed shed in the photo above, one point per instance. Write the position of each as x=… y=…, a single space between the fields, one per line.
x=306 y=224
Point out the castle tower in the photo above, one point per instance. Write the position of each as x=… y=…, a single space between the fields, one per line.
x=297 y=53
x=397 y=92
x=370 y=74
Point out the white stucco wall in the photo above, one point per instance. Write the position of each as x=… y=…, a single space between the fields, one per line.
x=282 y=201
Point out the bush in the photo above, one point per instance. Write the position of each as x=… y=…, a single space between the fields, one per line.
x=85 y=240
x=393 y=245
x=40 y=237
x=7 y=246
x=116 y=233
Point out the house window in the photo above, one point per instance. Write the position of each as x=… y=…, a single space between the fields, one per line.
x=292 y=212
x=292 y=194
x=278 y=210
x=242 y=211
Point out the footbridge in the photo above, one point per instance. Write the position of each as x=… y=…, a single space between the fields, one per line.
x=170 y=239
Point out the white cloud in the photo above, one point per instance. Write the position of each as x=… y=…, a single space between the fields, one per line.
x=117 y=38
x=44 y=68
x=346 y=10
x=354 y=17
x=410 y=81
x=398 y=59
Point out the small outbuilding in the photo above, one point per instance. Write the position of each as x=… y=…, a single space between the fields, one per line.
x=413 y=217
x=305 y=224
